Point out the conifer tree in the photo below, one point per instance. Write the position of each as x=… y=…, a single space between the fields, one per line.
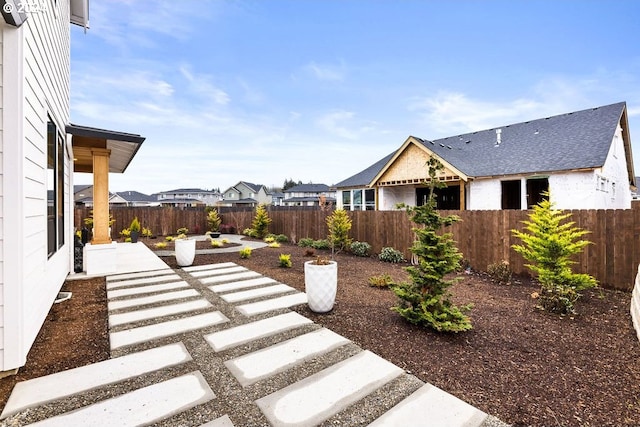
x=339 y=225
x=548 y=245
x=425 y=300
x=261 y=221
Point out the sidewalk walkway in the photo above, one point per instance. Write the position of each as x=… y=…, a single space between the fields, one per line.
x=216 y=346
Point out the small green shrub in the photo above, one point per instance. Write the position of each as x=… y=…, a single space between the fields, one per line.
x=182 y=230
x=261 y=222
x=306 y=242
x=285 y=260
x=161 y=245
x=274 y=245
x=169 y=238
x=339 y=225
x=135 y=225
x=362 y=249
x=125 y=233
x=381 y=281
x=269 y=239
x=500 y=272
x=128 y=240
x=389 y=254
x=281 y=238
x=213 y=220
x=225 y=241
x=321 y=244
x=245 y=252
x=216 y=244
x=146 y=232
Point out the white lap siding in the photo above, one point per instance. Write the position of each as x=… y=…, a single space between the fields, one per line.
x=30 y=279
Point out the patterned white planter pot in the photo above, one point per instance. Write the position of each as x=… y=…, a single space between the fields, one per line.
x=185 y=251
x=320 y=285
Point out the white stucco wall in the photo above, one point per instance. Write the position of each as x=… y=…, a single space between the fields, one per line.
x=389 y=197
x=484 y=194
x=40 y=58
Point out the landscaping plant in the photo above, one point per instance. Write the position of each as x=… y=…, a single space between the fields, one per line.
x=425 y=300
x=500 y=272
x=391 y=255
x=339 y=225
x=285 y=260
x=213 y=220
x=548 y=244
x=381 y=281
x=261 y=221
x=245 y=252
x=362 y=249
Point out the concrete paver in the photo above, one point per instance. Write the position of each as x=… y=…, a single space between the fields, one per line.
x=40 y=390
x=318 y=397
x=148 y=289
x=142 y=281
x=242 y=284
x=218 y=272
x=152 y=313
x=152 y=299
x=165 y=329
x=140 y=407
x=229 y=277
x=256 y=293
x=260 y=307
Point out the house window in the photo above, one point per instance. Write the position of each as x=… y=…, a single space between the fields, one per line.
x=537 y=190
x=447 y=198
x=511 y=191
x=370 y=199
x=346 y=200
x=357 y=200
x=55 y=188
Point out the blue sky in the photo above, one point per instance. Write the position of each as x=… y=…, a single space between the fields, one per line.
x=317 y=90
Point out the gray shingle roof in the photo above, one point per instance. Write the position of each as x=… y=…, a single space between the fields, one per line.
x=136 y=196
x=365 y=177
x=577 y=140
x=308 y=188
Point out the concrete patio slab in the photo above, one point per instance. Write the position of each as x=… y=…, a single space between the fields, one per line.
x=142 y=281
x=147 y=289
x=152 y=299
x=140 y=407
x=431 y=406
x=229 y=277
x=257 y=293
x=209 y=266
x=318 y=397
x=242 y=284
x=252 y=367
x=218 y=271
x=125 y=276
x=152 y=313
x=260 y=307
x=237 y=335
x=165 y=329
x=40 y=390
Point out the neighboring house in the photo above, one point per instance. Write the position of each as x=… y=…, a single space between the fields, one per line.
x=308 y=195
x=83 y=195
x=583 y=159
x=246 y=194
x=189 y=196
x=40 y=150
x=132 y=198
x=182 y=203
x=277 y=198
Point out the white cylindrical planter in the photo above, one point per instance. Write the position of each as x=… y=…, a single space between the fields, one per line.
x=185 y=251
x=320 y=285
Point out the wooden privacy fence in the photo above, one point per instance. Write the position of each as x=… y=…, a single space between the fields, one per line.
x=483 y=237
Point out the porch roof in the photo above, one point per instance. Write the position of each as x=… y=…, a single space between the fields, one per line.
x=123 y=147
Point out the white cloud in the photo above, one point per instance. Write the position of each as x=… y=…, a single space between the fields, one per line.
x=327 y=72
x=201 y=85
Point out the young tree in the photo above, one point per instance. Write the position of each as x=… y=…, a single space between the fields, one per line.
x=425 y=300
x=339 y=225
x=549 y=245
x=261 y=221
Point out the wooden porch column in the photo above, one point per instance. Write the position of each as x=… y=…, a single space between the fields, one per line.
x=100 y=196
x=462 y=195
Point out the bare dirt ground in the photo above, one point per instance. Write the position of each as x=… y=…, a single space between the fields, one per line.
x=519 y=364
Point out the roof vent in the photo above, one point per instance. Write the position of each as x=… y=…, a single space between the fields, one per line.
x=441 y=145
x=449 y=147
x=498 y=137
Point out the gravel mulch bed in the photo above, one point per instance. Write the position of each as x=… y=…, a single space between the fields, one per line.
x=524 y=366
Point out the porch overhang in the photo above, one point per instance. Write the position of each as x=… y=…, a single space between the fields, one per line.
x=123 y=147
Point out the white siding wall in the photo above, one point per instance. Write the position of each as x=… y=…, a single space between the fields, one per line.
x=575 y=190
x=391 y=196
x=615 y=171
x=484 y=194
x=1 y=207
x=34 y=280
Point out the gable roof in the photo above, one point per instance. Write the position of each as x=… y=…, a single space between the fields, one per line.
x=578 y=140
x=573 y=141
x=188 y=191
x=135 y=196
